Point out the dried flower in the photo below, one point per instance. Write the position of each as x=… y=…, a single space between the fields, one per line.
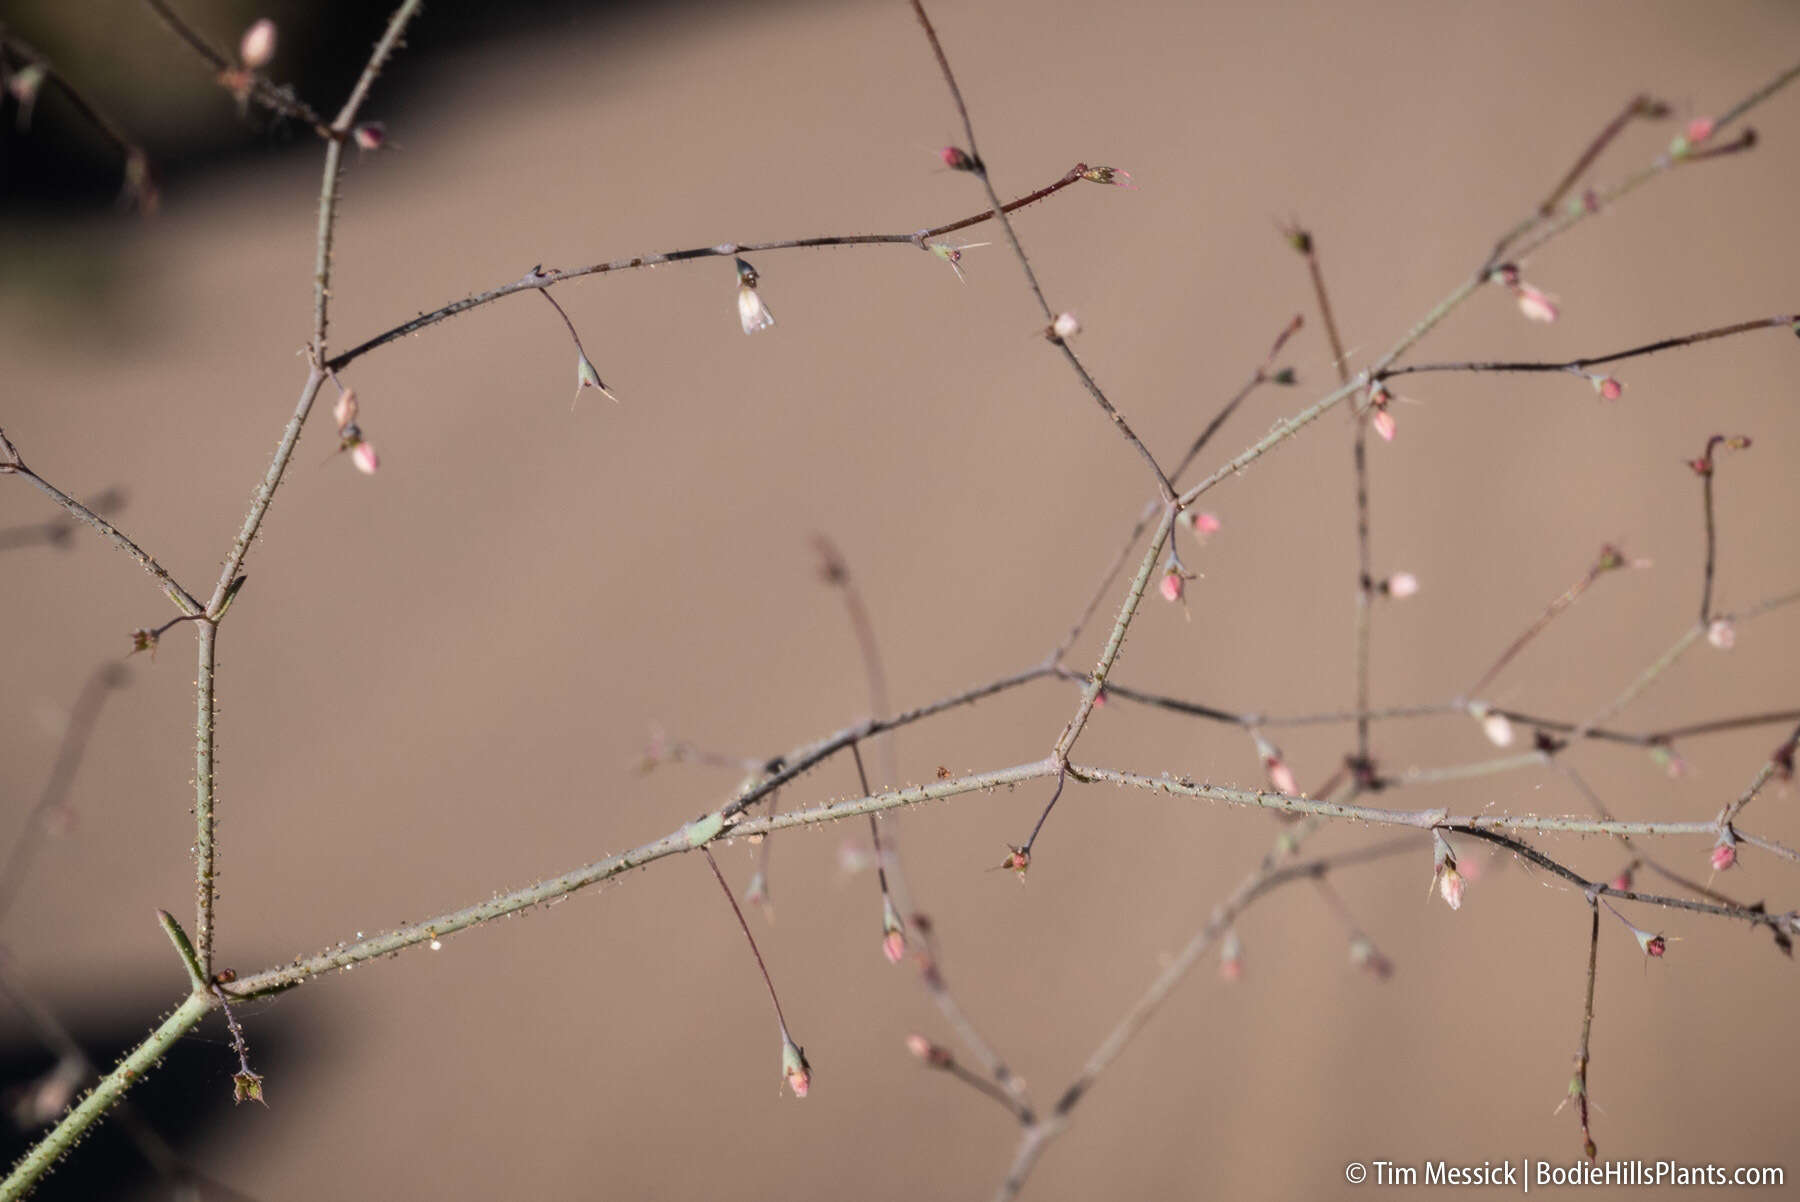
x=1109 y=175
x=1650 y=945
x=753 y=315
x=247 y=1086
x=1722 y=633
x=1400 y=585
x=258 y=45
x=587 y=377
x=1444 y=876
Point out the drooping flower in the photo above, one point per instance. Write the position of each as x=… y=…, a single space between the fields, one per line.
x=753 y=315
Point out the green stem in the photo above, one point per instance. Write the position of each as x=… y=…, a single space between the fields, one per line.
x=66 y=1134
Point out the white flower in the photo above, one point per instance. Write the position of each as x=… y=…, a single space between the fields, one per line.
x=752 y=313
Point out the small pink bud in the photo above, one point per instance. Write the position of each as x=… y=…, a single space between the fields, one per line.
x=1065 y=326
x=1171 y=586
x=958 y=159
x=1722 y=634
x=1109 y=175
x=1651 y=945
x=1622 y=882
x=1100 y=699
x=1724 y=852
x=1699 y=129
x=370 y=135
x=1401 y=585
x=794 y=1068
x=344 y=412
x=919 y=1046
x=1231 y=957
x=1281 y=776
x=1206 y=525
x=1536 y=305
x=258 y=45
x=893 y=938
x=1608 y=387
x=363 y=455
x=1019 y=860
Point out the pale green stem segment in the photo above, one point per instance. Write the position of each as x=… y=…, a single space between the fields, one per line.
x=35 y=1163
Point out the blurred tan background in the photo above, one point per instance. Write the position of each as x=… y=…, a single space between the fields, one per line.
x=438 y=682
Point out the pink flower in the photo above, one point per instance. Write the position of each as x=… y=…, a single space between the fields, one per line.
x=958 y=159
x=1622 y=882
x=1383 y=421
x=919 y=1046
x=1401 y=585
x=1608 y=387
x=794 y=1068
x=1536 y=305
x=1699 y=129
x=370 y=135
x=1231 y=957
x=1651 y=945
x=1206 y=524
x=1724 y=852
x=1280 y=775
x=363 y=455
x=893 y=939
x=1018 y=860
x=1170 y=587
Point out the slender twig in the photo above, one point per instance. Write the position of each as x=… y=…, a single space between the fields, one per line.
x=1639 y=106
x=931 y=972
x=1779 y=321
x=1263 y=880
x=1262 y=375
x=941 y=1058
x=14 y=465
x=1302 y=241
x=265 y=92
x=1783 y=754
x=84 y=715
x=978 y=168
x=1706 y=466
x=1608 y=560
x=206 y=894
x=139 y=187
x=780 y=1019
x=1578 y=1089
x=58 y=531
x=543 y=276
